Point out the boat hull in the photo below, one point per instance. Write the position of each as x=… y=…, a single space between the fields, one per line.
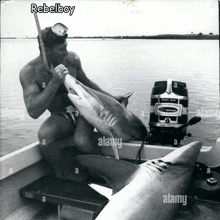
x=26 y=165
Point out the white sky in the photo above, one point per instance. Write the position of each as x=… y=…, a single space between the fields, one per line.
x=114 y=17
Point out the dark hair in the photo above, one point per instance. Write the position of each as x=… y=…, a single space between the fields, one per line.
x=50 y=39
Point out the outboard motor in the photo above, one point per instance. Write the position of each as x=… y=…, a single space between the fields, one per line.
x=168 y=112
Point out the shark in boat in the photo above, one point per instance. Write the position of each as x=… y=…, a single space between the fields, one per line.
x=151 y=190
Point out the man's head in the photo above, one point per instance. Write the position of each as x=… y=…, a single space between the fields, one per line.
x=54 y=40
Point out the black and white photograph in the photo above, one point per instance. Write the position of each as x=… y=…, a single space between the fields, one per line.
x=110 y=110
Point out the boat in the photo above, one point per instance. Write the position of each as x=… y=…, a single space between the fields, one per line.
x=30 y=192
x=26 y=165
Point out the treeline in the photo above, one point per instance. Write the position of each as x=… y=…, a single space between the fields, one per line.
x=199 y=36
x=173 y=37
x=162 y=36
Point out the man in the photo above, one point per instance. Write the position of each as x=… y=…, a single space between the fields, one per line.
x=44 y=90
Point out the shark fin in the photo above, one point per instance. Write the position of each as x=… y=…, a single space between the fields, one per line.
x=124 y=102
x=117 y=172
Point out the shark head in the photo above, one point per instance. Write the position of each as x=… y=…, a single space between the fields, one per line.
x=83 y=97
x=140 y=192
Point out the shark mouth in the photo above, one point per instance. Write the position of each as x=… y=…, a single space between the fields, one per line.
x=74 y=93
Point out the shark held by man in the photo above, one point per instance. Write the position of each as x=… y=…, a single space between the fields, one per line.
x=106 y=114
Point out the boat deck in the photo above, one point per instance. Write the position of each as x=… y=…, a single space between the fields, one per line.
x=201 y=210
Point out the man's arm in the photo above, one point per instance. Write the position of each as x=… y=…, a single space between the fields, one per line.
x=37 y=102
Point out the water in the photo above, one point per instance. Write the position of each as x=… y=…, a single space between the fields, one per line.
x=119 y=66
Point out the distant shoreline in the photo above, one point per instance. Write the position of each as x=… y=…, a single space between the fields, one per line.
x=161 y=36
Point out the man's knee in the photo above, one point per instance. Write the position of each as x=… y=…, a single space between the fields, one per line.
x=48 y=147
x=55 y=128
x=45 y=136
x=83 y=144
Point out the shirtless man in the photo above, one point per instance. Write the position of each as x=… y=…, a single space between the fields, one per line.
x=44 y=90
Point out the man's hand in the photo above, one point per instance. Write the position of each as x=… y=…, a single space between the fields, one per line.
x=59 y=73
x=124 y=99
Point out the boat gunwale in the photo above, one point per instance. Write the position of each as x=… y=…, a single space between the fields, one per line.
x=29 y=155
x=20 y=159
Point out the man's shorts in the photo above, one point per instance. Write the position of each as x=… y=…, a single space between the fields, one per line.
x=71 y=114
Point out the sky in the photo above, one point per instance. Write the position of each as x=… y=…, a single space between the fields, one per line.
x=114 y=17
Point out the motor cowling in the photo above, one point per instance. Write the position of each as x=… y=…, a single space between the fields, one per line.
x=168 y=111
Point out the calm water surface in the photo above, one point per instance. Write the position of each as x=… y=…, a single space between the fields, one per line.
x=119 y=66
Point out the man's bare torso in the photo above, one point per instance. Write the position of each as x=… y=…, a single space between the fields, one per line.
x=42 y=77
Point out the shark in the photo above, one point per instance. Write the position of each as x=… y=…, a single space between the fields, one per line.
x=106 y=114
x=151 y=190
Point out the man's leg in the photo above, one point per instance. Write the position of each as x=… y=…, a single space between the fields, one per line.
x=54 y=136
x=85 y=139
